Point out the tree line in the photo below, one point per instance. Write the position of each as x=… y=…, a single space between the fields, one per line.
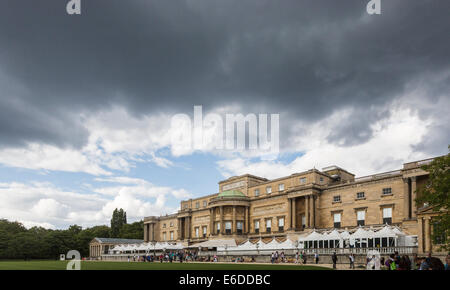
x=18 y=242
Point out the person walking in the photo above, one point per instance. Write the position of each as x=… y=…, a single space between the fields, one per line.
x=334 y=258
x=352 y=261
x=316 y=257
x=296 y=258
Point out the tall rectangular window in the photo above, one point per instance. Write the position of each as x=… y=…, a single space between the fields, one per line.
x=228 y=228
x=268 y=226
x=256 y=227
x=303 y=221
x=218 y=228
x=257 y=192
x=281 y=224
x=171 y=236
x=164 y=236
x=361 y=217
x=197 y=204
x=281 y=187
x=204 y=231
x=268 y=189
x=239 y=227
x=387 y=215
x=205 y=203
x=337 y=220
x=197 y=232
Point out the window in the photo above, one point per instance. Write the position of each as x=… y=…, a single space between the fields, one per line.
x=268 y=189
x=337 y=220
x=281 y=224
x=218 y=228
x=171 y=236
x=321 y=180
x=164 y=236
x=361 y=217
x=205 y=203
x=228 y=228
x=303 y=221
x=171 y=224
x=204 y=232
x=360 y=195
x=387 y=215
x=303 y=180
x=197 y=204
x=387 y=191
x=256 y=192
x=197 y=232
x=281 y=187
x=256 y=227
x=239 y=227
x=268 y=226
x=164 y=226
x=185 y=205
x=337 y=198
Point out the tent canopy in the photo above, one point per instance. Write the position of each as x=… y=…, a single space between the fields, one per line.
x=216 y=243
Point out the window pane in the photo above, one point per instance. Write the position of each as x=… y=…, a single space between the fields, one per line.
x=387 y=212
x=361 y=215
x=268 y=223
x=337 y=217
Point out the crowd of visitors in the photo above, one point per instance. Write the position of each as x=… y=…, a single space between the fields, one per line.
x=393 y=262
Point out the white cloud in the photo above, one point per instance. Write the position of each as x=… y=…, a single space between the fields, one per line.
x=43 y=204
x=391 y=144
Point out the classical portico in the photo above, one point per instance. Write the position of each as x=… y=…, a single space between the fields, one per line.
x=229 y=214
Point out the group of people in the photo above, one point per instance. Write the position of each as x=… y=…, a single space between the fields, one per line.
x=397 y=262
x=170 y=257
x=277 y=258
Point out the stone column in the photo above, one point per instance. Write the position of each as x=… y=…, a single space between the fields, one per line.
x=145 y=232
x=179 y=237
x=427 y=235
x=413 y=197
x=211 y=221
x=406 y=205
x=294 y=213
x=312 y=212
x=289 y=214
x=307 y=211
x=189 y=222
x=233 y=223
x=221 y=220
x=420 y=236
x=247 y=228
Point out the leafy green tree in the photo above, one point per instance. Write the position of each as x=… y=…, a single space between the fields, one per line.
x=435 y=194
x=119 y=218
x=132 y=231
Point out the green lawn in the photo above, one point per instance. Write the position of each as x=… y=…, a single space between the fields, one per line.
x=93 y=265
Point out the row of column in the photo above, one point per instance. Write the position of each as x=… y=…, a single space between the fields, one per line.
x=310 y=212
x=212 y=213
x=409 y=190
x=96 y=250
x=149 y=232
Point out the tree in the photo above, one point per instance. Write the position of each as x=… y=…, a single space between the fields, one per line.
x=119 y=218
x=132 y=231
x=435 y=194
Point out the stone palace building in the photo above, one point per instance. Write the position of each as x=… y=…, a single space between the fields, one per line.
x=249 y=206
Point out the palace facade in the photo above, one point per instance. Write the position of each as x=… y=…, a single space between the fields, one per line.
x=249 y=206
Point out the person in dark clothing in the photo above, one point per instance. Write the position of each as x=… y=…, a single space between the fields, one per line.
x=334 y=258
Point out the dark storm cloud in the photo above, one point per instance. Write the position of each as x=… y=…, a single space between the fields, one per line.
x=305 y=58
